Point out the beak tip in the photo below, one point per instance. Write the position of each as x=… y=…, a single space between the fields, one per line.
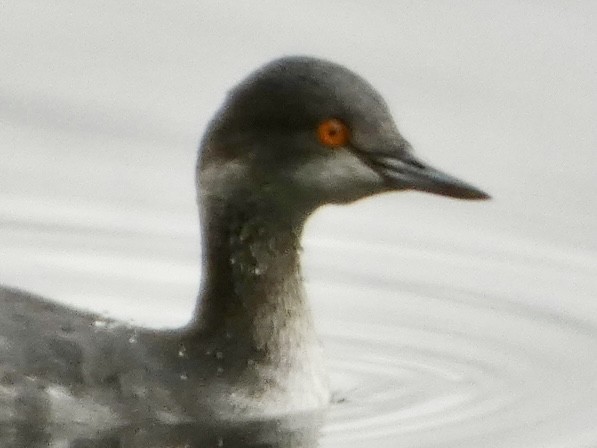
x=461 y=191
x=480 y=196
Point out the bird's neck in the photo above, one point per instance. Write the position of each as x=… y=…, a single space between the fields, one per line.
x=252 y=285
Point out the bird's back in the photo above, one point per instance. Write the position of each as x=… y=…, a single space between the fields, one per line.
x=51 y=357
x=71 y=369
x=40 y=338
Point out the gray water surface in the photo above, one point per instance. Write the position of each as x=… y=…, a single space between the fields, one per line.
x=446 y=324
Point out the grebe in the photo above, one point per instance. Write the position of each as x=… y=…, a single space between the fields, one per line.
x=296 y=134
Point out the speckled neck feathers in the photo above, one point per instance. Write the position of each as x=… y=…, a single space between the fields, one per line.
x=252 y=276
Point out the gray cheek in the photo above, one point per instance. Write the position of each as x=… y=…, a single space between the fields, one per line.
x=339 y=178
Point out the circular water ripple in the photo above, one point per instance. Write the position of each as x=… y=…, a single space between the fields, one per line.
x=448 y=365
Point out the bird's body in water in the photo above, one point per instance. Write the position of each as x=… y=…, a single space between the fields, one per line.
x=296 y=134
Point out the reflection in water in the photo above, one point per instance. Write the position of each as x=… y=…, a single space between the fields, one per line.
x=300 y=432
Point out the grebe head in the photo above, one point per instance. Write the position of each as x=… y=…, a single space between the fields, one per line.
x=306 y=132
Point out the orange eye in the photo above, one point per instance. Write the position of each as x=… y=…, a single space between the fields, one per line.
x=333 y=133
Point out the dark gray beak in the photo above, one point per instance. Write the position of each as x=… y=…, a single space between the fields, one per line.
x=404 y=171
